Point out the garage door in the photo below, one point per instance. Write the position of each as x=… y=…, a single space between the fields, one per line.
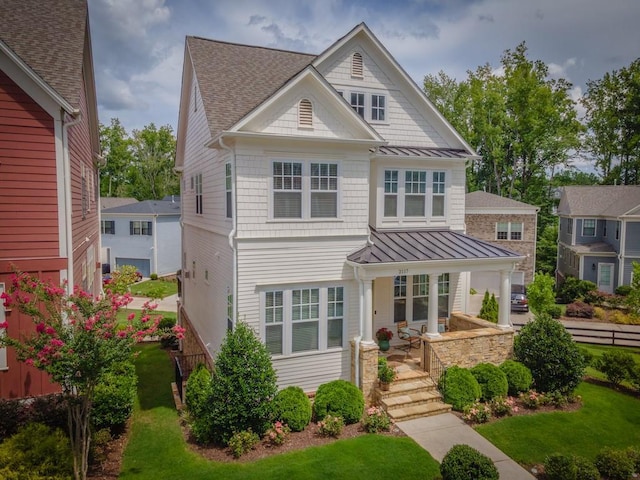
x=142 y=264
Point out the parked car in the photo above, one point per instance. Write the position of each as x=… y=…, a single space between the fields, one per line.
x=519 y=302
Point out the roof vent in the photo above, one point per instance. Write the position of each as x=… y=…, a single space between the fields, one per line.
x=305 y=113
x=356 y=65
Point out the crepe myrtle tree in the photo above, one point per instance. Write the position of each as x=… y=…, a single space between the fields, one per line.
x=76 y=340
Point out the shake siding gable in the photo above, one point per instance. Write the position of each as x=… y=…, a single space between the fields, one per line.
x=28 y=185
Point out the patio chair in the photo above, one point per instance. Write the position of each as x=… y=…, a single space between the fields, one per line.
x=410 y=335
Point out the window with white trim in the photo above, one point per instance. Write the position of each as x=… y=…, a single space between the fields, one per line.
x=3 y=350
x=411 y=297
x=305 y=319
x=137 y=227
x=378 y=108
x=305 y=190
x=198 y=187
x=589 y=227
x=357 y=103
x=408 y=194
x=569 y=226
x=108 y=227
x=420 y=298
x=228 y=186
x=399 y=298
x=509 y=231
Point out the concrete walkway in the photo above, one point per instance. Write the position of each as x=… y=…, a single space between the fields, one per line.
x=437 y=434
x=167 y=304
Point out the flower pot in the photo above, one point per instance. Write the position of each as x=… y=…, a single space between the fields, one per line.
x=384 y=385
x=384 y=345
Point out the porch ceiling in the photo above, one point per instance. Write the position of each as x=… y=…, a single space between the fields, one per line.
x=429 y=245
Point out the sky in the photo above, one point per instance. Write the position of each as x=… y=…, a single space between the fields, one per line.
x=138 y=45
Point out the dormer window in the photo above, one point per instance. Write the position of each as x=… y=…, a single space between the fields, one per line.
x=305 y=114
x=356 y=65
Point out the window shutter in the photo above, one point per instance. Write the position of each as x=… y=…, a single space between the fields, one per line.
x=130 y=228
x=356 y=65
x=305 y=113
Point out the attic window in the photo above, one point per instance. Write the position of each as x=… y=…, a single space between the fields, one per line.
x=356 y=65
x=305 y=114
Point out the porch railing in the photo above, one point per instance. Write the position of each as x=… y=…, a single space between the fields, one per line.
x=433 y=365
x=184 y=365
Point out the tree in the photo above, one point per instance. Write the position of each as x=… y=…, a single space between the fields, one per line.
x=633 y=299
x=116 y=151
x=540 y=293
x=547 y=250
x=77 y=340
x=489 y=309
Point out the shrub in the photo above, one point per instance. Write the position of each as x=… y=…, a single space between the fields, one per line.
x=376 y=420
x=489 y=309
x=532 y=399
x=572 y=289
x=587 y=356
x=386 y=374
x=114 y=397
x=463 y=462
x=331 y=426
x=278 y=433
x=36 y=450
x=197 y=398
x=623 y=290
x=548 y=350
x=614 y=464
x=459 y=387
x=579 y=310
x=560 y=467
x=540 y=293
x=153 y=276
x=595 y=297
x=50 y=410
x=99 y=441
x=634 y=454
x=555 y=311
x=11 y=417
x=586 y=470
x=501 y=406
x=557 y=399
x=339 y=398
x=616 y=365
x=293 y=407
x=634 y=377
x=492 y=380
x=477 y=413
x=242 y=386
x=518 y=376
x=241 y=442
x=600 y=313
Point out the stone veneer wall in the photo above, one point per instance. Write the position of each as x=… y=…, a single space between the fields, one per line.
x=368 y=370
x=471 y=341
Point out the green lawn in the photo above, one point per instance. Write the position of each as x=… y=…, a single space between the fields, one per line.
x=124 y=312
x=598 y=350
x=607 y=418
x=156 y=450
x=154 y=289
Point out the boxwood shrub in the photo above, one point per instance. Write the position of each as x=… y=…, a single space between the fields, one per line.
x=560 y=467
x=492 y=380
x=114 y=397
x=519 y=377
x=463 y=462
x=339 y=398
x=459 y=387
x=293 y=407
x=614 y=464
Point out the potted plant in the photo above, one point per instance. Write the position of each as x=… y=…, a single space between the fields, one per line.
x=384 y=335
x=386 y=375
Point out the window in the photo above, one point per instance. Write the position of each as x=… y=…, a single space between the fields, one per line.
x=509 y=231
x=617 y=230
x=399 y=298
x=420 y=297
x=604 y=228
x=304 y=319
x=356 y=65
x=589 y=227
x=305 y=114
x=412 y=304
x=198 y=186
x=137 y=227
x=108 y=227
x=378 y=108
x=287 y=190
x=228 y=185
x=324 y=190
x=408 y=192
x=569 y=226
x=3 y=350
x=443 y=295
x=357 y=102
x=193 y=269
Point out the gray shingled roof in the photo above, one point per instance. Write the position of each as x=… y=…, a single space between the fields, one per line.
x=600 y=247
x=485 y=200
x=427 y=152
x=146 y=207
x=233 y=79
x=599 y=200
x=426 y=245
x=49 y=37
x=111 y=202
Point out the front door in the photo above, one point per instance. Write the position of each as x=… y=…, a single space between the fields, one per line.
x=605 y=277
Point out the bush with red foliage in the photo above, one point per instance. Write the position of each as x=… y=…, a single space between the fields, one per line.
x=579 y=310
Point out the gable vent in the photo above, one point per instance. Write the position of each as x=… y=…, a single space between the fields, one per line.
x=356 y=65
x=305 y=113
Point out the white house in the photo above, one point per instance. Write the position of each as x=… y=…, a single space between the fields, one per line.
x=322 y=198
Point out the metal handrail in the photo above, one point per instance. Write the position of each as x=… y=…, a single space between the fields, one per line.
x=433 y=365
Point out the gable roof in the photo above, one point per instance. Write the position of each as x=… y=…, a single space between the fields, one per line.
x=488 y=202
x=233 y=78
x=110 y=202
x=146 y=207
x=599 y=200
x=49 y=37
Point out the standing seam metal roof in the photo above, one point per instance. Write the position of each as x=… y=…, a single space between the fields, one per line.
x=427 y=152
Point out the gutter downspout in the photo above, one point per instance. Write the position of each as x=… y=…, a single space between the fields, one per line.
x=66 y=166
x=232 y=234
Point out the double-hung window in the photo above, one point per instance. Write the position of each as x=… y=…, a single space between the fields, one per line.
x=399 y=298
x=437 y=205
x=509 y=231
x=378 y=108
x=274 y=321
x=411 y=297
x=324 y=190
x=357 y=103
x=305 y=318
x=335 y=316
x=137 y=227
x=390 y=193
x=414 y=194
x=569 y=226
x=415 y=185
x=589 y=227
x=228 y=185
x=198 y=187
x=108 y=227
x=287 y=190
x=420 y=297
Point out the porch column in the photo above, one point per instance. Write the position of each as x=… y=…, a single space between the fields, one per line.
x=367 y=330
x=432 y=319
x=505 y=299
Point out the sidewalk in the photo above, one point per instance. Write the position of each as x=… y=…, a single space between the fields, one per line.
x=167 y=304
x=437 y=434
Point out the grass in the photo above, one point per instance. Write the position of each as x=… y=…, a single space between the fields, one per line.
x=607 y=418
x=154 y=289
x=598 y=350
x=156 y=449
x=123 y=313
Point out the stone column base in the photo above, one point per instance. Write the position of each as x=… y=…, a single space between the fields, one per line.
x=367 y=368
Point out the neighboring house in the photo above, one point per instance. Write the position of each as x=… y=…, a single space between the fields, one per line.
x=143 y=234
x=322 y=198
x=599 y=234
x=506 y=222
x=48 y=161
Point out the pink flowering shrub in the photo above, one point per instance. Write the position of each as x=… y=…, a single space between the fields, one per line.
x=501 y=406
x=477 y=413
x=532 y=399
x=278 y=433
x=331 y=426
x=376 y=420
